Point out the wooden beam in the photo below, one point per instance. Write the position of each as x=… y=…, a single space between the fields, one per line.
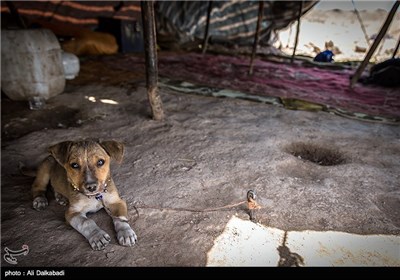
x=297 y=31
x=396 y=49
x=16 y=15
x=150 y=42
x=377 y=40
x=256 y=35
x=206 y=33
x=362 y=24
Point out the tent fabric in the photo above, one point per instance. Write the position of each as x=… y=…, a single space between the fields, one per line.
x=230 y=21
x=81 y=13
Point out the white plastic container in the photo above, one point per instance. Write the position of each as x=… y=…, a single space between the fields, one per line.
x=71 y=65
x=31 y=65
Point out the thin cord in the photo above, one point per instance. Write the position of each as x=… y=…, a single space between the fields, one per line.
x=190 y=209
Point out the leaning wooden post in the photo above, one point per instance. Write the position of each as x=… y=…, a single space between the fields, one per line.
x=297 y=31
x=150 y=42
x=206 y=33
x=396 y=48
x=377 y=40
x=257 y=35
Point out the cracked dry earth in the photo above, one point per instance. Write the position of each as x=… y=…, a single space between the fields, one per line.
x=207 y=154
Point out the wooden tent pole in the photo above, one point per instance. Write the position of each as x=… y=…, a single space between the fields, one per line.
x=257 y=35
x=15 y=14
x=396 y=49
x=150 y=42
x=297 y=31
x=377 y=40
x=206 y=36
x=361 y=23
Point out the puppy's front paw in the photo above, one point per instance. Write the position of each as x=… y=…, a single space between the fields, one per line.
x=40 y=203
x=126 y=237
x=62 y=200
x=99 y=240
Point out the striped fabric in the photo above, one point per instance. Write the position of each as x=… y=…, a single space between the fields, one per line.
x=82 y=13
x=230 y=21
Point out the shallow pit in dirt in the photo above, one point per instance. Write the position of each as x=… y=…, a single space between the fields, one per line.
x=316 y=153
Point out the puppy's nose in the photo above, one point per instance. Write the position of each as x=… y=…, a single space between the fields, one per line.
x=90 y=181
x=91 y=187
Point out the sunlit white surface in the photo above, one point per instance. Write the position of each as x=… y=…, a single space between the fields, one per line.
x=244 y=243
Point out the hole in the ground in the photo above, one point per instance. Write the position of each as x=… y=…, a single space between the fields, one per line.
x=316 y=153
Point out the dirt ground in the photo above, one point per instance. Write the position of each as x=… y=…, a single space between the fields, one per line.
x=185 y=178
x=310 y=171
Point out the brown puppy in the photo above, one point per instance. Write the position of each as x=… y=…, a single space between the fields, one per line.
x=79 y=173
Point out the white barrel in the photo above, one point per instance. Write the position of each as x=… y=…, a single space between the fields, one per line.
x=31 y=64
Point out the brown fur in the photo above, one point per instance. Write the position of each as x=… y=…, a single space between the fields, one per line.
x=79 y=173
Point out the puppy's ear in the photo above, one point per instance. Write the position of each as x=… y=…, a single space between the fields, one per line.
x=60 y=151
x=114 y=149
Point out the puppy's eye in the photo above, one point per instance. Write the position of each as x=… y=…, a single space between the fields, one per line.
x=74 y=165
x=100 y=162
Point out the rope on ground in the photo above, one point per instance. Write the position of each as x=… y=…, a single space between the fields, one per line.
x=191 y=209
x=252 y=205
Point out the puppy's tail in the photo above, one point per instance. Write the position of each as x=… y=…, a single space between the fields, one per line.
x=26 y=171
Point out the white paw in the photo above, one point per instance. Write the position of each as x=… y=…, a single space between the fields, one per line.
x=99 y=240
x=40 y=203
x=126 y=237
x=62 y=200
